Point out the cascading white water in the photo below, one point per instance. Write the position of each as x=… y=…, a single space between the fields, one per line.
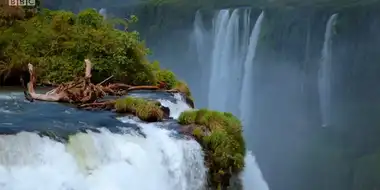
x=246 y=91
x=224 y=61
x=175 y=108
x=252 y=176
x=232 y=57
x=251 y=170
x=105 y=160
x=324 y=75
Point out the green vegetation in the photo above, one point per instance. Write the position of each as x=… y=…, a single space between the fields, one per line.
x=164 y=75
x=181 y=86
x=169 y=78
x=57 y=42
x=220 y=135
x=144 y=109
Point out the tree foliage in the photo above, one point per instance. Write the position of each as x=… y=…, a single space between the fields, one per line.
x=57 y=42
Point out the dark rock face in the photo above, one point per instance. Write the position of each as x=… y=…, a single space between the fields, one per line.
x=187 y=130
x=190 y=102
x=166 y=111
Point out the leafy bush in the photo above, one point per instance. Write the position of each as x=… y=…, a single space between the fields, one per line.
x=57 y=42
x=163 y=75
x=166 y=76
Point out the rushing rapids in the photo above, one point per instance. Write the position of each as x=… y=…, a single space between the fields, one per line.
x=100 y=153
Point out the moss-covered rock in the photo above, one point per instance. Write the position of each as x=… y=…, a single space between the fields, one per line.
x=220 y=135
x=146 y=110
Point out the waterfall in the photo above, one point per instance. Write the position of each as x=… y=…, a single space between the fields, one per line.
x=246 y=91
x=104 y=160
x=252 y=177
x=200 y=44
x=232 y=55
x=325 y=73
x=224 y=61
x=252 y=170
x=199 y=36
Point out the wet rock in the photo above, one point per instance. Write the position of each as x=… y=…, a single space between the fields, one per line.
x=189 y=101
x=166 y=111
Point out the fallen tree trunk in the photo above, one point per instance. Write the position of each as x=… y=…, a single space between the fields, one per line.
x=106 y=105
x=81 y=91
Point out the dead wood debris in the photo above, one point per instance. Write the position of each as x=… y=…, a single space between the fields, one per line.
x=82 y=92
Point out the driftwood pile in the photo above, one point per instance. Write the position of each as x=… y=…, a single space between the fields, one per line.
x=82 y=92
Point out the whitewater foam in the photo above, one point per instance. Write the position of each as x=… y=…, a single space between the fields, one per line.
x=98 y=161
x=105 y=160
x=175 y=108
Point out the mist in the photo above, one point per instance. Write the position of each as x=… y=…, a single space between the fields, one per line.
x=292 y=145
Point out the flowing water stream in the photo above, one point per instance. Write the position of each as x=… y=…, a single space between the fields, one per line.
x=109 y=155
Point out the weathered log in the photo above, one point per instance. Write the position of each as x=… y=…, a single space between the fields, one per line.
x=105 y=80
x=53 y=97
x=143 y=88
x=82 y=92
x=106 y=105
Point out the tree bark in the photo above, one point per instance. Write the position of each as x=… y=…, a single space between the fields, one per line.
x=82 y=91
x=57 y=94
x=51 y=97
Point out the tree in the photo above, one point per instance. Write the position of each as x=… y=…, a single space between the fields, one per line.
x=53 y=40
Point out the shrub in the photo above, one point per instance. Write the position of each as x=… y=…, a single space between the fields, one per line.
x=163 y=75
x=57 y=42
x=166 y=76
